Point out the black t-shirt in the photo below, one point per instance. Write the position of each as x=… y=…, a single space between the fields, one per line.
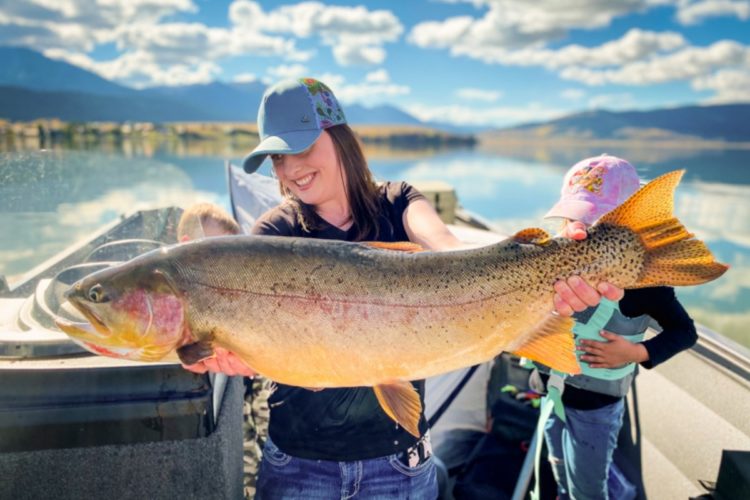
x=678 y=333
x=341 y=424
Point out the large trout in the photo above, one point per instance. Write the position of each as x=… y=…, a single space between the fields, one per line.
x=318 y=313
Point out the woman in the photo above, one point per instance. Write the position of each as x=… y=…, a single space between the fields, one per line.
x=338 y=442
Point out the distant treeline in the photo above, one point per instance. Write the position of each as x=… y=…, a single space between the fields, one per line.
x=52 y=132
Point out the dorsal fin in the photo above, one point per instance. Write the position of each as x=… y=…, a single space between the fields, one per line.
x=532 y=235
x=397 y=246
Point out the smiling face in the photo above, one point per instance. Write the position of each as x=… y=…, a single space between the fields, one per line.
x=314 y=176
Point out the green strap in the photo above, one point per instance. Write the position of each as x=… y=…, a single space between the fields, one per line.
x=591 y=329
x=597 y=321
x=544 y=414
x=552 y=402
x=555 y=388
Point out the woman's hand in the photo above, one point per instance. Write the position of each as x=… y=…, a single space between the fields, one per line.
x=575 y=294
x=614 y=352
x=223 y=361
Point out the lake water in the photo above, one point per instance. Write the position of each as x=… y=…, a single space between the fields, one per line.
x=51 y=199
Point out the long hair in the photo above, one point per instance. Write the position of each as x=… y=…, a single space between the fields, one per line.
x=361 y=189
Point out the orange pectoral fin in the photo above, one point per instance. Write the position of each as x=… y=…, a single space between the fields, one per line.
x=399 y=246
x=553 y=345
x=532 y=235
x=401 y=402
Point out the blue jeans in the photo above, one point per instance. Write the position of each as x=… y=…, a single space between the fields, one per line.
x=282 y=476
x=580 y=450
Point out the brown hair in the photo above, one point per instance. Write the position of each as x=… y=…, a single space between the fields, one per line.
x=194 y=217
x=361 y=189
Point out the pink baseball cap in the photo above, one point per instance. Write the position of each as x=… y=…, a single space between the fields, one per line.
x=595 y=186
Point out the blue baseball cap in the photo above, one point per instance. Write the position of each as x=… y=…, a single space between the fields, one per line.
x=291 y=116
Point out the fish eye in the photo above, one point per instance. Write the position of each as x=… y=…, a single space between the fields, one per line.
x=97 y=295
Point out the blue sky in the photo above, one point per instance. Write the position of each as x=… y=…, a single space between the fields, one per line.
x=473 y=62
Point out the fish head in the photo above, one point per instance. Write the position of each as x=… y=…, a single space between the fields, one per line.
x=133 y=312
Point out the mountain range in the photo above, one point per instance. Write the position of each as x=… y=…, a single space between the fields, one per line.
x=33 y=86
x=725 y=122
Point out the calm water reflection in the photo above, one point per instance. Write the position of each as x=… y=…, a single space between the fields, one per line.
x=49 y=200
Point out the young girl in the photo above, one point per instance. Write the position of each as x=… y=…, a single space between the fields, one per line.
x=581 y=448
x=338 y=443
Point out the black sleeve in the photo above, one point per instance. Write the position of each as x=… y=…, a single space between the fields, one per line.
x=678 y=331
x=410 y=193
x=401 y=194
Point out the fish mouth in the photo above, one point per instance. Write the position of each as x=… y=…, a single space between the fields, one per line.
x=94 y=328
x=76 y=329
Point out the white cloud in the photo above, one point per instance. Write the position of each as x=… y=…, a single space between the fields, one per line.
x=378 y=76
x=472 y=94
x=370 y=92
x=375 y=88
x=151 y=52
x=245 y=78
x=716 y=211
x=440 y=34
x=355 y=34
x=573 y=94
x=635 y=45
x=175 y=43
x=517 y=33
x=79 y=24
x=623 y=100
x=689 y=13
x=485 y=116
x=731 y=85
x=306 y=19
x=688 y=63
x=349 y=55
x=139 y=69
x=284 y=71
x=509 y=24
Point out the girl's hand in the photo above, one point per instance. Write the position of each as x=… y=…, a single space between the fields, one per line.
x=575 y=294
x=223 y=361
x=615 y=352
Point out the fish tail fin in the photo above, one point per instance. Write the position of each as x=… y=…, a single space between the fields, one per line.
x=401 y=402
x=673 y=257
x=552 y=345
